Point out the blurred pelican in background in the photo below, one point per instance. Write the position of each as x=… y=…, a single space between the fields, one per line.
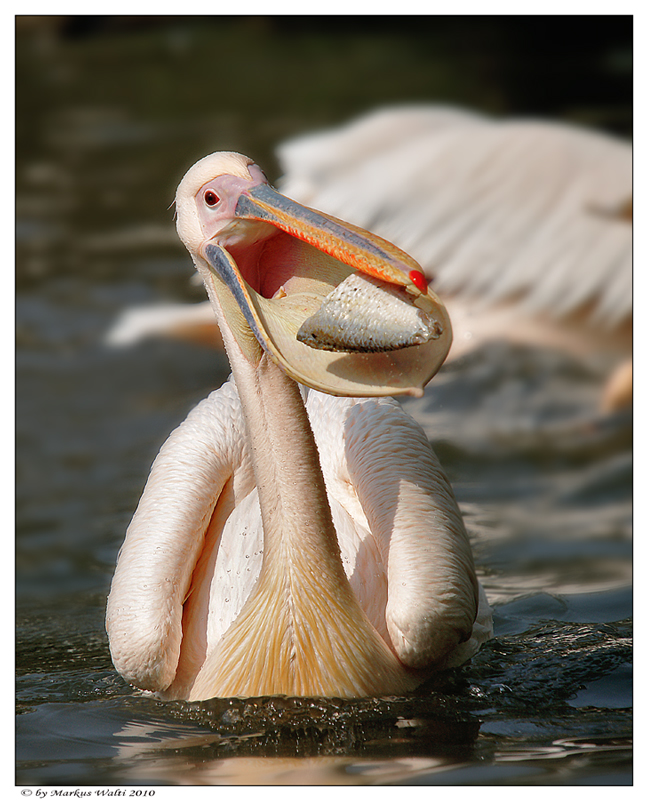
x=523 y=226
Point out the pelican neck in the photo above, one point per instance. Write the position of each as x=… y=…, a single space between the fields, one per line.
x=296 y=515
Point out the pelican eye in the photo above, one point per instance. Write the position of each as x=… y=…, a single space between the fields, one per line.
x=211 y=198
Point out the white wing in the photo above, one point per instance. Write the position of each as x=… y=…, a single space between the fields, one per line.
x=168 y=319
x=413 y=573
x=166 y=538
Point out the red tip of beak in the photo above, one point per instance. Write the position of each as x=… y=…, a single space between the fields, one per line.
x=418 y=280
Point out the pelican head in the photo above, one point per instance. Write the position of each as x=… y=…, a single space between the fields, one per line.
x=338 y=308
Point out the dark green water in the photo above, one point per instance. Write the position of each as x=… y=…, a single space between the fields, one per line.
x=110 y=114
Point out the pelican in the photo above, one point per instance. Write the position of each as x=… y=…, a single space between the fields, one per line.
x=297 y=534
x=523 y=225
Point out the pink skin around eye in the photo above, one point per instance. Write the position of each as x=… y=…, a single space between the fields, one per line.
x=225 y=190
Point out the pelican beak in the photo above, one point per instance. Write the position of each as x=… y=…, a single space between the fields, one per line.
x=340 y=309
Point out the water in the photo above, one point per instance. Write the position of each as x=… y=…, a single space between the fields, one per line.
x=543 y=482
